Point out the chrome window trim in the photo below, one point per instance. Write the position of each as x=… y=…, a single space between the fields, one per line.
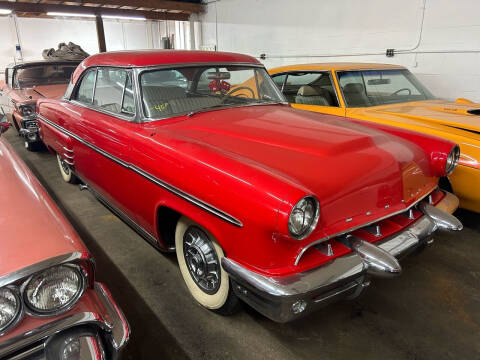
x=174 y=190
x=103 y=111
x=316 y=242
x=37 y=267
x=311 y=71
x=91 y=106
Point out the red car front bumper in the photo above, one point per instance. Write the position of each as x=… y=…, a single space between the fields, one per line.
x=285 y=298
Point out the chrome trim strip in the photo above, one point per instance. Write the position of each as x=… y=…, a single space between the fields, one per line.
x=68 y=150
x=71 y=157
x=119 y=324
x=114 y=324
x=174 y=190
x=32 y=269
x=316 y=242
x=30 y=352
x=68 y=162
x=20 y=341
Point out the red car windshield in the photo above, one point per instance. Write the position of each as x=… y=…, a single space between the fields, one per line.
x=30 y=76
x=169 y=92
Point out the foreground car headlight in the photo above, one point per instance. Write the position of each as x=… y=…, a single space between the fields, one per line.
x=303 y=218
x=452 y=160
x=54 y=290
x=27 y=110
x=10 y=308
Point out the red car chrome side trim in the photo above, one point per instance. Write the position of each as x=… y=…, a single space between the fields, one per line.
x=174 y=190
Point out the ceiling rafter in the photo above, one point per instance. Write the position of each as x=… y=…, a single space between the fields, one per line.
x=165 y=5
x=43 y=8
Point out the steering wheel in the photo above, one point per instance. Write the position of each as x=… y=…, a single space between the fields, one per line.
x=400 y=90
x=238 y=89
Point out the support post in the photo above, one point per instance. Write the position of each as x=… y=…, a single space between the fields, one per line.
x=102 y=47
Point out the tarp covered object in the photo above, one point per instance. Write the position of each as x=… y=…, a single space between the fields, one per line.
x=67 y=52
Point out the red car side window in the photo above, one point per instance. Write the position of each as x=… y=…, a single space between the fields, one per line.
x=84 y=92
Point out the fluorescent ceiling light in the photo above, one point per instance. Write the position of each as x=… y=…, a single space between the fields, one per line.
x=70 y=14
x=120 y=17
x=5 y=12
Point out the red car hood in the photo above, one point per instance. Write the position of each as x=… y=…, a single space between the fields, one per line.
x=353 y=170
x=32 y=227
x=47 y=91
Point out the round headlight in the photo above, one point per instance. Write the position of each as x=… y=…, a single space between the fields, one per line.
x=452 y=160
x=10 y=308
x=54 y=290
x=303 y=218
x=26 y=110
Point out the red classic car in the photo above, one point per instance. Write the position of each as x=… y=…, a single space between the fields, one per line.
x=26 y=82
x=284 y=209
x=51 y=307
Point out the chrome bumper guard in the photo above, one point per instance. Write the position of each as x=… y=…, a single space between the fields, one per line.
x=78 y=336
x=286 y=298
x=29 y=129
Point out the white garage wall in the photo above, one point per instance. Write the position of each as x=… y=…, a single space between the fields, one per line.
x=446 y=58
x=37 y=34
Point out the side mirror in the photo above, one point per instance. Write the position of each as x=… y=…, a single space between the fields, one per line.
x=4 y=124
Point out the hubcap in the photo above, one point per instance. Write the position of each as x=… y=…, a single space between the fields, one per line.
x=65 y=167
x=202 y=261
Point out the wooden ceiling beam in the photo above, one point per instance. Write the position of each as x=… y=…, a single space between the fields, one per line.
x=185 y=7
x=43 y=8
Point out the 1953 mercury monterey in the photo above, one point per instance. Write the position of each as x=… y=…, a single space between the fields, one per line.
x=284 y=209
x=51 y=307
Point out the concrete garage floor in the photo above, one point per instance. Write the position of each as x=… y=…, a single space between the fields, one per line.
x=432 y=311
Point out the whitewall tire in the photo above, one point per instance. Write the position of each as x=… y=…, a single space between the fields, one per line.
x=199 y=258
x=67 y=174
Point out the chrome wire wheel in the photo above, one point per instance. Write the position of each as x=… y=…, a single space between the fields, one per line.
x=65 y=167
x=201 y=260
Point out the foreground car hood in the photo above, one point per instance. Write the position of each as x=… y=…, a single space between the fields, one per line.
x=48 y=91
x=434 y=113
x=32 y=227
x=356 y=172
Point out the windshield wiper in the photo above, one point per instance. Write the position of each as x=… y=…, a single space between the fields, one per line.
x=225 y=105
x=194 y=112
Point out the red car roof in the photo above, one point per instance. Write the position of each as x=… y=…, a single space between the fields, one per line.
x=143 y=58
